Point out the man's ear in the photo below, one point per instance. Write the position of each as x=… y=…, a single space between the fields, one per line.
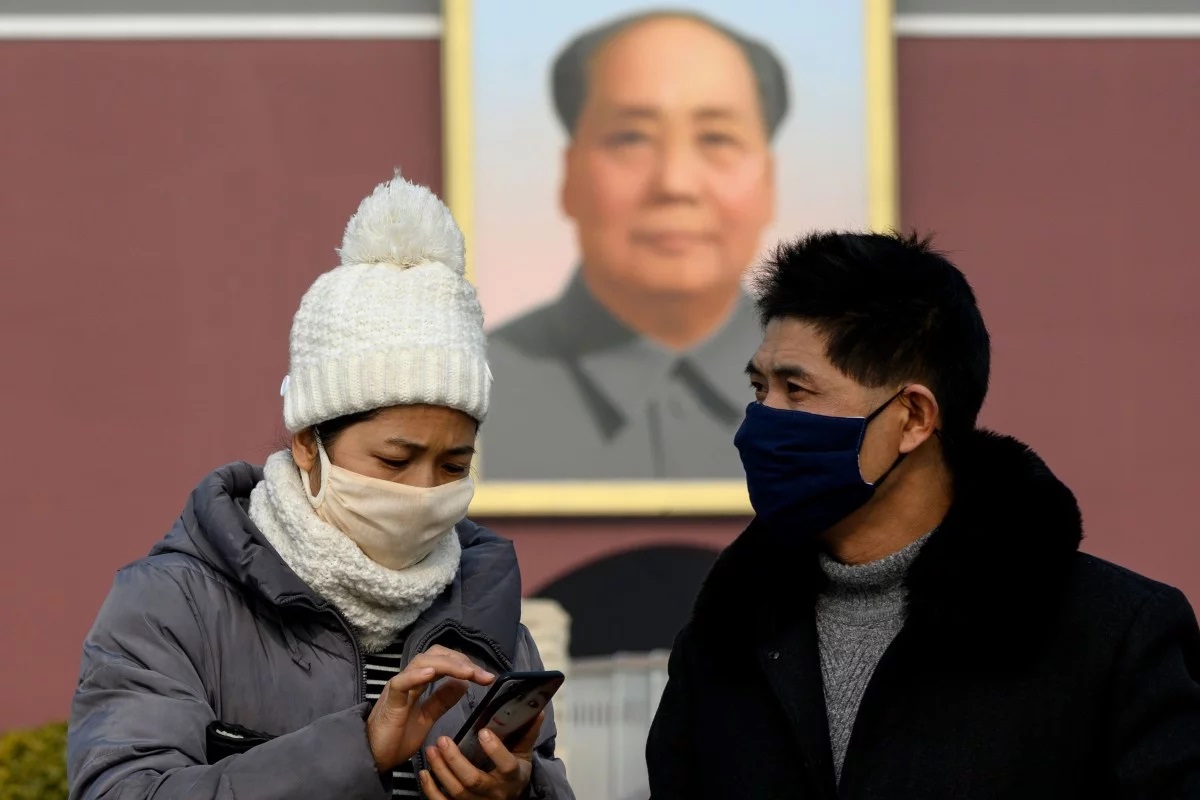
x=924 y=417
x=771 y=193
x=304 y=453
x=568 y=189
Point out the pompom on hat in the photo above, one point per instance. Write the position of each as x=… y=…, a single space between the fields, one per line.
x=396 y=324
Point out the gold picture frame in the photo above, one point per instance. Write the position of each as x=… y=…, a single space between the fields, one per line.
x=644 y=498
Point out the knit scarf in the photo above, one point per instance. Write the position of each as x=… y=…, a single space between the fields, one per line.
x=377 y=602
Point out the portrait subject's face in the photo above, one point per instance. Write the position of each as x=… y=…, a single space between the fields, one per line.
x=669 y=177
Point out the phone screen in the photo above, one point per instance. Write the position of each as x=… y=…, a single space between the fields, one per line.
x=512 y=704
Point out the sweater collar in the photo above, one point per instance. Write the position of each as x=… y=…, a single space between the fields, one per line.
x=873 y=577
x=862 y=594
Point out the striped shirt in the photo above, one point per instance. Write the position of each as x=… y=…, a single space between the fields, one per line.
x=379 y=668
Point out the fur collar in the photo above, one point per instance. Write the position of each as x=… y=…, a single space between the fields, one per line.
x=998 y=557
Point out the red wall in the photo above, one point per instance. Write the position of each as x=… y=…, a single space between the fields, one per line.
x=1063 y=175
x=165 y=206
x=154 y=188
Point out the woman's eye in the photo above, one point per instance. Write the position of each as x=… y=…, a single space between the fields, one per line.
x=394 y=464
x=455 y=469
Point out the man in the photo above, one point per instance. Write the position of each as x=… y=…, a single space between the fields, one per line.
x=669 y=181
x=908 y=616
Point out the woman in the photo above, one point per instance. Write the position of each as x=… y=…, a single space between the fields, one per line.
x=320 y=627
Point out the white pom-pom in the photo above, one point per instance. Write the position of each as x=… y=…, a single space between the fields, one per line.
x=403 y=224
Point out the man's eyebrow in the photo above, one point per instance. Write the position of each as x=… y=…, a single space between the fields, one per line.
x=652 y=112
x=715 y=112
x=461 y=450
x=780 y=371
x=792 y=371
x=637 y=112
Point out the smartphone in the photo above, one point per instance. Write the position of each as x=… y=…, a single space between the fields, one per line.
x=510 y=706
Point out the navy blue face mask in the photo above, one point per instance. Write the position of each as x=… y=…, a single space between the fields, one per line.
x=802 y=469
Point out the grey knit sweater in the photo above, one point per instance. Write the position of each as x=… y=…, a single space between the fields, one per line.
x=859 y=613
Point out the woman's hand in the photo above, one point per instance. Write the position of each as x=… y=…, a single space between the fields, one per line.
x=459 y=779
x=400 y=721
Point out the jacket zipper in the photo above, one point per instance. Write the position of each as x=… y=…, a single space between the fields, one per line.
x=359 y=665
x=470 y=635
x=492 y=645
x=360 y=668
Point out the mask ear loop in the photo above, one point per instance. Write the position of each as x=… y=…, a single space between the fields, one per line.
x=306 y=479
x=900 y=457
x=899 y=460
x=871 y=417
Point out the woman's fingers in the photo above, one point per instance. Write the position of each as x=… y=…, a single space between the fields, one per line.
x=443 y=698
x=408 y=680
x=430 y=787
x=445 y=774
x=397 y=695
x=454 y=664
x=471 y=777
x=506 y=765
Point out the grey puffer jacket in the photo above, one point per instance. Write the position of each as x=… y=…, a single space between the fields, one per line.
x=213 y=626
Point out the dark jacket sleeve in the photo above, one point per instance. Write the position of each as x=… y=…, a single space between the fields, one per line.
x=669 y=762
x=1156 y=735
x=138 y=719
x=548 y=779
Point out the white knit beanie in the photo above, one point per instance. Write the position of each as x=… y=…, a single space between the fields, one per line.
x=396 y=324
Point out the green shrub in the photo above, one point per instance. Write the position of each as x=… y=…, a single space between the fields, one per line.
x=33 y=764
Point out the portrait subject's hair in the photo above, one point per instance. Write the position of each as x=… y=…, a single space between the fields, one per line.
x=892 y=310
x=569 y=75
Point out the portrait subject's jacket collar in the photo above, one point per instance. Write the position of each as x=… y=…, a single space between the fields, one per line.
x=617 y=370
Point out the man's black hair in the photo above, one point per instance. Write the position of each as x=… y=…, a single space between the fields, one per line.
x=892 y=309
